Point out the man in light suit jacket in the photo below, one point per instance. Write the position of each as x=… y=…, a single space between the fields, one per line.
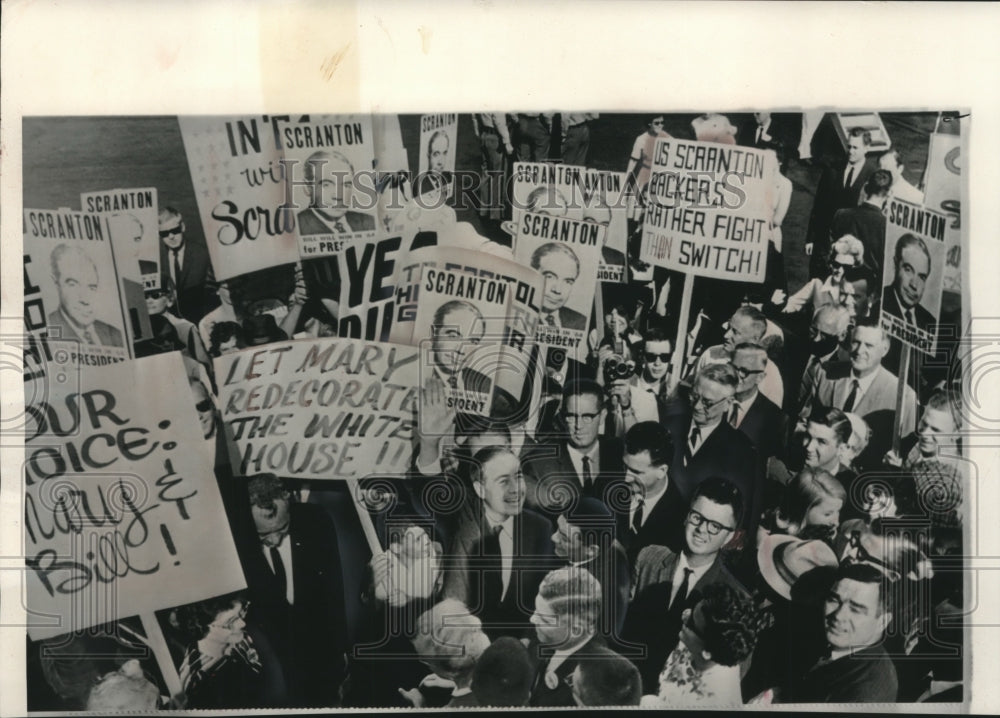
x=666 y=582
x=500 y=550
x=865 y=387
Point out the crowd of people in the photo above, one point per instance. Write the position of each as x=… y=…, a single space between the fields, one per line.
x=764 y=518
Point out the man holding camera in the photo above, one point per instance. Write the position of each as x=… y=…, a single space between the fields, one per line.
x=642 y=391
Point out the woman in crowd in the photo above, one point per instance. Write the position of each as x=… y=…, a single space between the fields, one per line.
x=809 y=507
x=716 y=636
x=846 y=255
x=226 y=663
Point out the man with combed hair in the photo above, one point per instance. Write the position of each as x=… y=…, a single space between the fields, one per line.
x=293 y=572
x=706 y=444
x=864 y=386
x=607 y=679
x=858 y=611
x=912 y=266
x=331 y=190
x=667 y=583
x=747 y=325
x=567 y=610
x=839 y=187
x=752 y=413
x=901 y=189
x=77 y=282
x=494 y=563
x=866 y=221
x=187 y=263
x=560 y=267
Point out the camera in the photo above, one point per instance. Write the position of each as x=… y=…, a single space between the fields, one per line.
x=617 y=367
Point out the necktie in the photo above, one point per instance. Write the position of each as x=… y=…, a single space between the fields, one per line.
x=909 y=317
x=340 y=227
x=734 y=415
x=550 y=320
x=453 y=381
x=89 y=336
x=279 y=570
x=850 y=178
x=177 y=267
x=760 y=131
x=692 y=442
x=677 y=606
x=853 y=396
x=637 y=517
x=492 y=576
x=588 y=478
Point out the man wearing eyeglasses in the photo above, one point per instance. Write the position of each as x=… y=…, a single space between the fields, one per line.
x=706 y=444
x=667 y=583
x=293 y=573
x=752 y=413
x=186 y=263
x=580 y=461
x=827 y=334
x=748 y=324
x=854 y=667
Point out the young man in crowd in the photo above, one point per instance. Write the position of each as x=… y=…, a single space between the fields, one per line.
x=667 y=582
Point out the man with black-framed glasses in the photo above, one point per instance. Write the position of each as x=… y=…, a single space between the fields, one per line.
x=668 y=582
x=186 y=264
x=706 y=444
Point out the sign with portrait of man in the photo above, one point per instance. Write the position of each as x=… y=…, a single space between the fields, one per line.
x=913 y=278
x=133 y=216
x=69 y=264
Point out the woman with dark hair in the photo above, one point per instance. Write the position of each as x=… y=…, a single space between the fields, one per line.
x=226 y=337
x=716 y=636
x=226 y=663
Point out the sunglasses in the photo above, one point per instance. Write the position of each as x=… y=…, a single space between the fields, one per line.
x=203 y=405
x=862 y=556
x=697 y=399
x=652 y=356
x=164 y=233
x=156 y=293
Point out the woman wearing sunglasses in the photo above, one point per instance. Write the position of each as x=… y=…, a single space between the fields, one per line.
x=846 y=255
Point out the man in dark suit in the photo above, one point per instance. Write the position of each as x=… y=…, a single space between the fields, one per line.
x=655 y=509
x=839 y=188
x=767 y=129
x=331 y=186
x=186 y=263
x=560 y=267
x=752 y=413
x=293 y=575
x=77 y=282
x=567 y=609
x=705 y=444
x=500 y=549
x=912 y=265
x=866 y=221
x=581 y=461
x=667 y=583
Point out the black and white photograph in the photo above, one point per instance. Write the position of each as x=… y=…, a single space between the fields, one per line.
x=619 y=407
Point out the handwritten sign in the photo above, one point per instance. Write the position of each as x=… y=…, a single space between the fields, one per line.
x=320 y=409
x=709 y=209
x=122 y=514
